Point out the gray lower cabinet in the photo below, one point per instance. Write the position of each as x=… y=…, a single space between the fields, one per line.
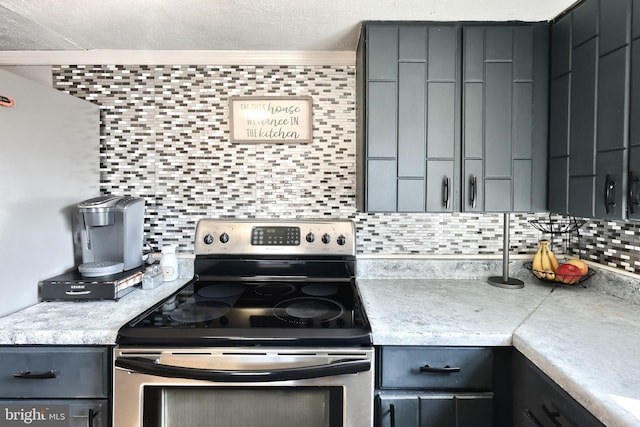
x=540 y=402
x=442 y=386
x=452 y=117
x=65 y=384
x=433 y=409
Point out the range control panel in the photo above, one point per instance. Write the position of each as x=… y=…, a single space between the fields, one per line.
x=275 y=236
x=253 y=237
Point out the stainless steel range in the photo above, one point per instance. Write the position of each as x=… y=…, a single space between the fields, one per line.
x=270 y=332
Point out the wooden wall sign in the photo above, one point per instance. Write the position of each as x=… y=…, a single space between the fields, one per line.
x=271 y=118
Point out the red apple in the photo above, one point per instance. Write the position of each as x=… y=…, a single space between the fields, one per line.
x=568 y=273
x=584 y=268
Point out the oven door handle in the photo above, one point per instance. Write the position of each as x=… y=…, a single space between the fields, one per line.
x=338 y=367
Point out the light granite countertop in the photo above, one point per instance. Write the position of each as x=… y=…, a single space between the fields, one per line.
x=589 y=344
x=79 y=323
x=463 y=312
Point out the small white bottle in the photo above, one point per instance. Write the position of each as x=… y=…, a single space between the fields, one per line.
x=169 y=263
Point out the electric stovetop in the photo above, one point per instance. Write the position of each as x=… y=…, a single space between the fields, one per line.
x=287 y=293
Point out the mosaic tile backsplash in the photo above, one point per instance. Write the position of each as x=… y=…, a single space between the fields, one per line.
x=165 y=137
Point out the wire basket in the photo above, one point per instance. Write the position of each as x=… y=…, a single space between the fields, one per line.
x=557 y=226
x=565 y=227
x=570 y=280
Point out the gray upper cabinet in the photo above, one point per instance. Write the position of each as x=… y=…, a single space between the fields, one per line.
x=612 y=127
x=585 y=22
x=505 y=84
x=633 y=175
x=559 y=101
x=436 y=138
x=582 y=131
x=633 y=201
x=411 y=117
x=595 y=74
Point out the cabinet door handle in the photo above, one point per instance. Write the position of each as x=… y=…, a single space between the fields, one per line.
x=445 y=193
x=28 y=375
x=474 y=191
x=609 y=187
x=444 y=370
x=90 y=417
x=533 y=418
x=633 y=201
x=552 y=415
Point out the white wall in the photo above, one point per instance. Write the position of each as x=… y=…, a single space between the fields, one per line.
x=37 y=73
x=49 y=160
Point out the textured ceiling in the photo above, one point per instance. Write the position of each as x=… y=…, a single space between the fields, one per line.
x=295 y=25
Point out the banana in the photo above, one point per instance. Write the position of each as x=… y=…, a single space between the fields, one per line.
x=553 y=260
x=546 y=265
x=544 y=262
x=537 y=264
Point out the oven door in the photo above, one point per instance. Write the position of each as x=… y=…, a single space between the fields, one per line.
x=243 y=387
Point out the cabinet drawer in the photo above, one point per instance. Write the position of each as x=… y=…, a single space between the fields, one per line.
x=539 y=401
x=436 y=367
x=54 y=372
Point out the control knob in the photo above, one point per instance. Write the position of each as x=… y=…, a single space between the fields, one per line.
x=310 y=237
x=326 y=238
x=224 y=238
x=208 y=239
x=341 y=240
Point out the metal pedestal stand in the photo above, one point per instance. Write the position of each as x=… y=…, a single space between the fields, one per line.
x=505 y=281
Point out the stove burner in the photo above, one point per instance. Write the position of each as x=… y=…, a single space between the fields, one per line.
x=319 y=290
x=221 y=290
x=307 y=310
x=274 y=289
x=200 y=311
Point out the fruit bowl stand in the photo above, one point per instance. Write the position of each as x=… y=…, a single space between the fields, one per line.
x=552 y=227
x=583 y=278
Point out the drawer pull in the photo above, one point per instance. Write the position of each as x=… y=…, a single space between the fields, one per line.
x=445 y=370
x=77 y=292
x=533 y=418
x=552 y=415
x=28 y=375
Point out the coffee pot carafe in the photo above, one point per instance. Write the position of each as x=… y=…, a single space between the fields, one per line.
x=112 y=234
